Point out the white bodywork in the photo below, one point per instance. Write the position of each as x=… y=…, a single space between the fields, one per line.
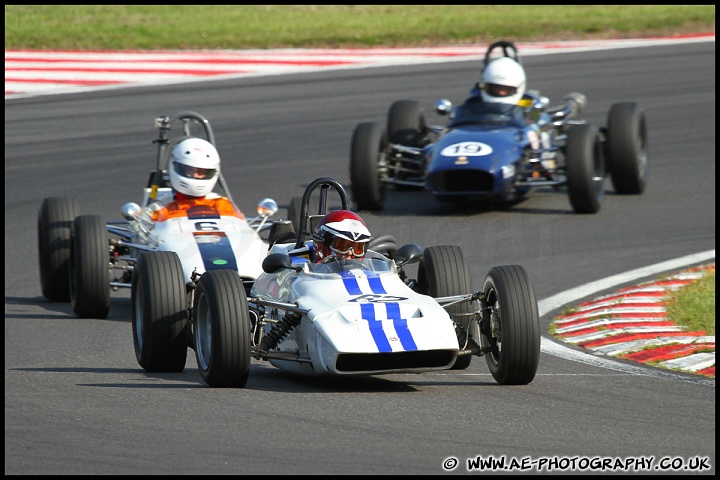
x=209 y=243
x=361 y=319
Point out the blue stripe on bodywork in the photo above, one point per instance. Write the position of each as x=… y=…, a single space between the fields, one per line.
x=351 y=284
x=353 y=288
x=368 y=313
x=376 y=328
x=376 y=285
x=401 y=327
x=217 y=255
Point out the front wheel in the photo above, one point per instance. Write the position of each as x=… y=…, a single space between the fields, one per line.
x=160 y=324
x=585 y=168
x=222 y=329
x=510 y=325
x=89 y=267
x=626 y=146
x=444 y=273
x=369 y=142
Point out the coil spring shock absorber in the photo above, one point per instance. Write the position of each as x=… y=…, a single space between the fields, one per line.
x=279 y=331
x=461 y=332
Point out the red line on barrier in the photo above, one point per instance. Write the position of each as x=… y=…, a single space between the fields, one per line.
x=127 y=70
x=64 y=81
x=208 y=60
x=667 y=352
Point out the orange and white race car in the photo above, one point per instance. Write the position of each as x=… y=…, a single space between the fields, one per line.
x=83 y=258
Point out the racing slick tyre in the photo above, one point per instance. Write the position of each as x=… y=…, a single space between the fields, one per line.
x=585 y=168
x=442 y=273
x=159 y=316
x=294 y=210
x=89 y=267
x=510 y=325
x=367 y=161
x=385 y=244
x=54 y=223
x=222 y=329
x=282 y=231
x=626 y=148
x=406 y=124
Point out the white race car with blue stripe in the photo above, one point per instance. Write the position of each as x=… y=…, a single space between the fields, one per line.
x=358 y=316
x=364 y=317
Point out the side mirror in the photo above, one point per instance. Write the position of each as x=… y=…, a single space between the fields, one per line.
x=267 y=207
x=407 y=254
x=443 y=107
x=131 y=210
x=541 y=103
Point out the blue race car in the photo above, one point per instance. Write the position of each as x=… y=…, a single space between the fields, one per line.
x=497 y=152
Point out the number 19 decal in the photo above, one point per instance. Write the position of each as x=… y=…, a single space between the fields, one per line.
x=466 y=149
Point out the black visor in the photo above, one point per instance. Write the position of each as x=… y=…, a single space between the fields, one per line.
x=194 y=172
x=497 y=90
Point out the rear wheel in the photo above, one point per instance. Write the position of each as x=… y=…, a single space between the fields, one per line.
x=294 y=211
x=585 y=168
x=222 y=329
x=55 y=219
x=89 y=267
x=406 y=124
x=369 y=142
x=385 y=244
x=627 y=150
x=159 y=315
x=510 y=325
x=443 y=273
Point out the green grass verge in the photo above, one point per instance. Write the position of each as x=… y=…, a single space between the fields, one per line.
x=694 y=305
x=111 y=27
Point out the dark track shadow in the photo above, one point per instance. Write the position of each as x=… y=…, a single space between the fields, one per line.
x=120 y=308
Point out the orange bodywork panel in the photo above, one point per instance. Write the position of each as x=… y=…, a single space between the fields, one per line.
x=186 y=208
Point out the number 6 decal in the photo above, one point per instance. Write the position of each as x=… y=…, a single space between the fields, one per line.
x=206 y=226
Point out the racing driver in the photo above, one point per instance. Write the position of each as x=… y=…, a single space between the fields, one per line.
x=341 y=234
x=194 y=171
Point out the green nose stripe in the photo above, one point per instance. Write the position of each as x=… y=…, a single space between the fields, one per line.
x=220 y=262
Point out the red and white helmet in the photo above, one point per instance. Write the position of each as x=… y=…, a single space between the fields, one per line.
x=194 y=167
x=342 y=233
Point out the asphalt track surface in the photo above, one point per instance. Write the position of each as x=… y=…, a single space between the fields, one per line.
x=76 y=402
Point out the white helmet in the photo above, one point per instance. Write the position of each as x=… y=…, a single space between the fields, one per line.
x=503 y=81
x=194 y=167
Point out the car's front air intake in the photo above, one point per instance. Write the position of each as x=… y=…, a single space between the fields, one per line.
x=381 y=362
x=462 y=181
